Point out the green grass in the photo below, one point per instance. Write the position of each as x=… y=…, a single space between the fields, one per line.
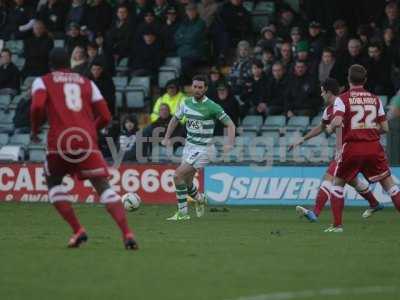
x=241 y=253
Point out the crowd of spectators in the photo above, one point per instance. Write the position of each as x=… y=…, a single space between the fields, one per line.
x=272 y=71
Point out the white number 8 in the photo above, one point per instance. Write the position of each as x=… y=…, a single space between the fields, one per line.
x=73 y=99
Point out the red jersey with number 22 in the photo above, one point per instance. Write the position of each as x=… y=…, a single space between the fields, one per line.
x=69 y=101
x=362 y=112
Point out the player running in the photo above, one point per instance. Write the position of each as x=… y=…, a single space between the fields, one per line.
x=329 y=92
x=200 y=114
x=359 y=114
x=75 y=110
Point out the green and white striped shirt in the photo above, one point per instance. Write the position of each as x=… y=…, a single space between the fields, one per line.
x=200 y=119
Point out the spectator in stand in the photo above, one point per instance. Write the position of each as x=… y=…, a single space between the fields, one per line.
x=9 y=74
x=328 y=60
x=286 y=20
x=286 y=55
x=341 y=39
x=303 y=95
x=160 y=8
x=215 y=78
x=268 y=40
x=120 y=37
x=172 y=97
x=391 y=45
x=147 y=56
x=268 y=59
x=19 y=21
x=22 y=119
x=94 y=54
x=54 y=13
x=138 y=9
x=296 y=37
x=207 y=11
x=104 y=82
x=74 y=38
x=316 y=39
x=168 y=31
x=229 y=104
x=364 y=33
x=4 y=11
x=241 y=68
x=236 y=21
x=303 y=54
x=127 y=138
x=149 y=21
x=343 y=62
x=276 y=90
x=77 y=13
x=379 y=70
x=99 y=17
x=391 y=18
x=79 y=61
x=254 y=91
x=36 y=51
x=190 y=40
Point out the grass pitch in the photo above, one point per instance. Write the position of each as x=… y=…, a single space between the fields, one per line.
x=246 y=253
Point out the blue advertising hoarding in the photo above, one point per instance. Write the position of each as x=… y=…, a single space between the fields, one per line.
x=275 y=185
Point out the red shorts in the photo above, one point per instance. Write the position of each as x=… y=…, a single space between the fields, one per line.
x=84 y=167
x=331 y=168
x=368 y=158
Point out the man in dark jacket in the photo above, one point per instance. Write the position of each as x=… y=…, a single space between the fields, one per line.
x=104 y=82
x=120 y=37
x=168 y=29
x=9 y=74
x=74 y=38
x=147 y=55
x=303 y=93
x=229 y=104
x=22 y=120
x=53 y=13
x=37 y=50
x=276 y=90
x=379 y=70
x=99 y=17
x=19 y=15
x=255 y=90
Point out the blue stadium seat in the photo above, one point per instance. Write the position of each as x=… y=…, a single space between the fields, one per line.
x=15 y=46
x=298 y=122
x=59 y=43
x=274 y=122
x=5 y=101
x=119 y=99
x=275 y=135
x=252 y=123
x=122 y=66
x=37 y=154
x=135 y=98
x=22 y=139
x=4 y=138
x=120 y=82
x=174 y=61
x=142 y=82
x=27 y=83
x=166 y=74
x=317 y=141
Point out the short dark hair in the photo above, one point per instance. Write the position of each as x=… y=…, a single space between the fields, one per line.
x=329 y=50
x=258 y=63
x=7 y=50
x=92 y=45
x=357 y=74
x=200 y=77
x=331 y=85
x=375 y=45
x=59 y=58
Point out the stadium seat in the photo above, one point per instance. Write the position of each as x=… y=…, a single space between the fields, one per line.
x=248 y=5
x=142 y=82
x=315 y=121
x=11 y=153
x=122 y=65
x=166 y=74
x=3 y=139
x=179 y=151
x=19 y=62
x=27 y=83
x=384 y=100
x=120 y=82
x=119 y=99
x=5 y=101
x=59 y=43
x=7 y=117
x=135 y=98
x=174 y=61
x=15 y=46
x=298 y=122
x=37 y=152
x=252 y=123
x=275 y=135
x=249 y=133
x=317 y=141
x=20 y=139
x=274 y=122
x=290 y=138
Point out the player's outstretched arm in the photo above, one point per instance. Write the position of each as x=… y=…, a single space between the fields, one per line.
x=102 y=113
x=312 y=133
x=231 y=132
x=38 y=106
x=171 y=127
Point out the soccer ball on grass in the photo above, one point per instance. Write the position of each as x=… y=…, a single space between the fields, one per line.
x=131 y=201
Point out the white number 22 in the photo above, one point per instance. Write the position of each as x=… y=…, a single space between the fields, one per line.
x=73 y=99
x=360 y=111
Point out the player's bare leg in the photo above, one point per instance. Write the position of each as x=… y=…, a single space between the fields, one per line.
x=364 y=190
x=320 y=200
x=115 y=208
x=182 y=173
x=393 y=190
x=61 y=201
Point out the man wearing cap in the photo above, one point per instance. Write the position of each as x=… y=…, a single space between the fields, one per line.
x=168 y=30
x=74 y=38
x=316 y=39
x=268 y=39
x=339 y=42
x=229 y=104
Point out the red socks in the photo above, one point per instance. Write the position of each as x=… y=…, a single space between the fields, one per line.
x=65 y=209
x=337 y=204
x=116 y=210
x=369 y=196
x=322 y=197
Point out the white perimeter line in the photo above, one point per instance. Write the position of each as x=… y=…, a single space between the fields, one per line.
x=323 y=292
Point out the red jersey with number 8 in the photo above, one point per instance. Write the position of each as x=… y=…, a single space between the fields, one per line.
x=69 y=100
x=362 y=112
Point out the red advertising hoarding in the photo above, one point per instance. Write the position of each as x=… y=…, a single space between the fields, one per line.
x=153 y=183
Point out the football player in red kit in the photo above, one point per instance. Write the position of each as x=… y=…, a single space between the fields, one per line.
x=75 y=110
x=330 y=91
x=360 y=116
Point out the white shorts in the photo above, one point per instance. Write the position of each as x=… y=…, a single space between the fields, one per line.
x=197 y=156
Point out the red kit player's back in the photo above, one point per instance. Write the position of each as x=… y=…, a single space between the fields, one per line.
x=69 y=103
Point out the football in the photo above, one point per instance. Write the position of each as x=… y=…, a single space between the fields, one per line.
x=131 y=201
